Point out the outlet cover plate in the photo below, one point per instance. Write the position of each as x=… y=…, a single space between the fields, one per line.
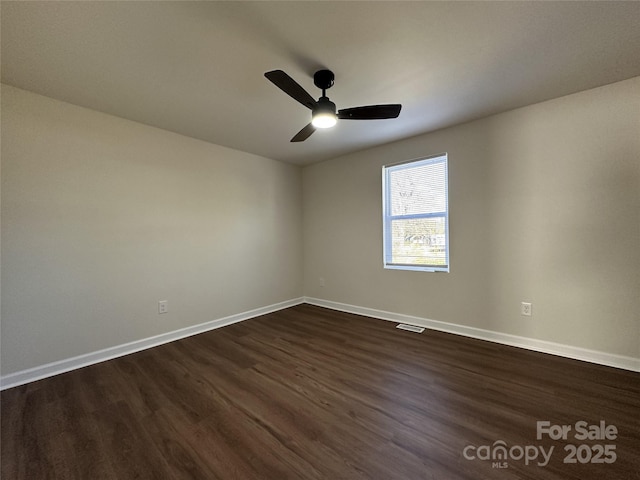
x=163 y=306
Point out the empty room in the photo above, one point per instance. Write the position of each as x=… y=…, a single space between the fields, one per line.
x=368 y=240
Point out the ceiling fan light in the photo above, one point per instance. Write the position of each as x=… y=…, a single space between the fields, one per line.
x=324 y=120
x=324 y=114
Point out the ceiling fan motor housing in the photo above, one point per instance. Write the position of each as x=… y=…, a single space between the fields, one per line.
x=324 y=105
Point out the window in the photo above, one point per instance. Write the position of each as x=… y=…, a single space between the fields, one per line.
x=416 y=215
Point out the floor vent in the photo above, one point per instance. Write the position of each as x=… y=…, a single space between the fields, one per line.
x=411 y=328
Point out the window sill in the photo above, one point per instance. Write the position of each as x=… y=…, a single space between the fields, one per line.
x=416 y=268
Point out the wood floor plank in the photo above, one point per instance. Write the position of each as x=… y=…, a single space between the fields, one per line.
x=308 y=393
x=132 y=450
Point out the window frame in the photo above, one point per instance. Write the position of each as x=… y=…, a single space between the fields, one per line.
x=387 y=217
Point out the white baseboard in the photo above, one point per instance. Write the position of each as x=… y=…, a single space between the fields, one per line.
x=62 y=366
x=568 y=351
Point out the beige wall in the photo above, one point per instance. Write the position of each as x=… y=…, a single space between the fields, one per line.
x=544 y=207
x=103 y=217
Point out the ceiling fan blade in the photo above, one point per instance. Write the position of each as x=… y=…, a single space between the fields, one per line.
x=303 y=134
x=289 y=86
x=370 y=112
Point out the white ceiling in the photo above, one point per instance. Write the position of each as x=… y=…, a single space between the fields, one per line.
x=197 y=68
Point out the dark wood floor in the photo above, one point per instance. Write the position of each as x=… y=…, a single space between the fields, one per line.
x=309 y=393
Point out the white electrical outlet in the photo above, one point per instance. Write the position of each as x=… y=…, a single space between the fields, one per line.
x=163 y=306
x=525 y=309
x=321 y=281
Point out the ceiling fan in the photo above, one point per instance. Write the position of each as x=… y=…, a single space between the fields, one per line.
x=323 y=111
